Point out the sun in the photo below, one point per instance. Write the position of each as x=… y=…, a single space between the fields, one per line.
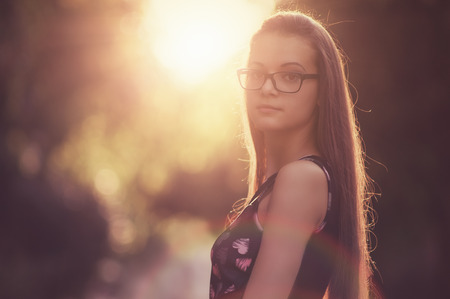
x=192 y=38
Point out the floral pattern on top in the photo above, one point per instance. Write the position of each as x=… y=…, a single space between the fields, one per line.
x=241 y=245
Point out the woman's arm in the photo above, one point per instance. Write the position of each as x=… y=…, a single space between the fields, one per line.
x=298 y=204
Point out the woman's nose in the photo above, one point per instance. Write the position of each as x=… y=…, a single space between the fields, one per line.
x=269 y=87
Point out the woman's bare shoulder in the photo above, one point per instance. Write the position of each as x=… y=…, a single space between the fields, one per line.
x=301 y=188
x=301 y=170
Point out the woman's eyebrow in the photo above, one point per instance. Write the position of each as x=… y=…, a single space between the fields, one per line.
x=256 y=63
x=260 y=64
x=293 y=63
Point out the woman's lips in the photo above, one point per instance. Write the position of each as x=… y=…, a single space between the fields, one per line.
x=267 y=109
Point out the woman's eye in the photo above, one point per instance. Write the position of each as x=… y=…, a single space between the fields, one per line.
x=291 y=77
x=255 y=75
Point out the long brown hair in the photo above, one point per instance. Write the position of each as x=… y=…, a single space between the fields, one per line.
x=339 y=144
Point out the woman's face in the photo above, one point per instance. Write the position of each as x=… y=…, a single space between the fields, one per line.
x=269 y=109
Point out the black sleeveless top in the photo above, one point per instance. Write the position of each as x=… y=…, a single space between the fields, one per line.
x=234 y=253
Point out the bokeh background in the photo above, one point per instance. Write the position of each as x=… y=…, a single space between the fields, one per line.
x=121 y=153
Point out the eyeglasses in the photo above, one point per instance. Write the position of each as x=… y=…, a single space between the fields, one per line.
x=288 y=82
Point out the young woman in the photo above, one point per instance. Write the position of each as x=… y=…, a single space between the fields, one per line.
x=302 y=231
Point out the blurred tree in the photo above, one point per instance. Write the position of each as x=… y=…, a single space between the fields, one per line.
x=51 y=238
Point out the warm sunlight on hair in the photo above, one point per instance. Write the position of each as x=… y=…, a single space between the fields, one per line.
x=192 y=38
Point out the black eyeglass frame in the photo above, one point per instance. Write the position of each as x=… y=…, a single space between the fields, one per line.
x=303 y=77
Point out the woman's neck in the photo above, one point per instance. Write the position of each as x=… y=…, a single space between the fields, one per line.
x=286 y=147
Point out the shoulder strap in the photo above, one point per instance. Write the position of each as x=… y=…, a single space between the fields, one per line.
x=321 y=163
x=263 y=189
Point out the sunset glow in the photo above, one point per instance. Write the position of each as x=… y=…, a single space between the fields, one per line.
x=193 y=38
